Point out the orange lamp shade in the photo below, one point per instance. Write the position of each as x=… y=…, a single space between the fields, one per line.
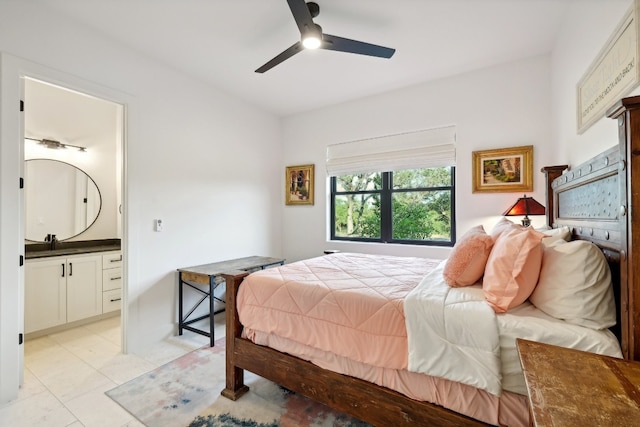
x=525 y=206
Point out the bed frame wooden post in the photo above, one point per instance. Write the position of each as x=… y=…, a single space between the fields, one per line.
x=627 y=114
x=551 y=173
x=235 y=386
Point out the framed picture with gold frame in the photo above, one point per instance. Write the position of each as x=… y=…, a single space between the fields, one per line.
x=503 y=170
x=299 y=185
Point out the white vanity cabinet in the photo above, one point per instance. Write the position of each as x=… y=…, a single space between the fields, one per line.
x=111 y=281
x=60 y=290
x=45 y=294
x=84 y=287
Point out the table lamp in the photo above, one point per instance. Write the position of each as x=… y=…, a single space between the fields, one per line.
x=525 y=206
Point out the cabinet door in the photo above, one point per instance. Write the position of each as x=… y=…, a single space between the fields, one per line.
x=84 y=287
x=45 y=291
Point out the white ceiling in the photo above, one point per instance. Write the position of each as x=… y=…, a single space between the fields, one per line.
x=223 y=41
x=69 y=117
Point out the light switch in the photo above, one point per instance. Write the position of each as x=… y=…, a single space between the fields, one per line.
x=157 y=224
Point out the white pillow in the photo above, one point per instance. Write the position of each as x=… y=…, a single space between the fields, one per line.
x=544 y=228
x=575 y=285
x=555 y=234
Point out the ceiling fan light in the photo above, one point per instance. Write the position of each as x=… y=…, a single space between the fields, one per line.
x=312 y=38
x=312 y=42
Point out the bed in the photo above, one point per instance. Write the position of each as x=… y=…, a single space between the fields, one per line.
x=592 y=200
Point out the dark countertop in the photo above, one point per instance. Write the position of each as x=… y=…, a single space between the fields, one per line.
x=42 y=250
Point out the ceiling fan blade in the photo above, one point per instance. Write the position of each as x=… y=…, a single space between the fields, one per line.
x=286 y=54
x=301 y=14
x=330 y=42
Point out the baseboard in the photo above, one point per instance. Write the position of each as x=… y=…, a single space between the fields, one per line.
x=70 y=325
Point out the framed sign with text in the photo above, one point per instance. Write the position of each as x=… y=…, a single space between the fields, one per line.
x=613 y=74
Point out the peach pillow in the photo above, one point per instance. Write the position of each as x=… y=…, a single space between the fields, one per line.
x=468 y=259
x=513 y=268
x=502 y=226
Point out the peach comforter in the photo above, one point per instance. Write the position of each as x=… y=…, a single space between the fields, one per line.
x=344 y=312
x=349 y=304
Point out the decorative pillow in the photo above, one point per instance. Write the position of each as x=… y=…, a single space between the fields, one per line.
x=503 y=225
x=575 y=285
x=513 y=268
x=465 y=266
x=555 y=234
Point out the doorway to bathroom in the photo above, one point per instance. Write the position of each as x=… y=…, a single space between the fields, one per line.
x=73 y=180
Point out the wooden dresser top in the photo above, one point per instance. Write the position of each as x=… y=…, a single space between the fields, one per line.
x=574 y=388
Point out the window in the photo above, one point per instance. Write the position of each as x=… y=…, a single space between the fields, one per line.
x=413 y=201
x=415 y=206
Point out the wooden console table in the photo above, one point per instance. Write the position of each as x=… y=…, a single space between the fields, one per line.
x=211 y=275
x=569 y=387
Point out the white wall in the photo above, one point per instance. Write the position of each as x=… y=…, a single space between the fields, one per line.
x=497 y=107
x=586 y=30
x=205 y=163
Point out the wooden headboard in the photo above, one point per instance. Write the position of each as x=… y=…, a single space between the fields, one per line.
x=596 y=200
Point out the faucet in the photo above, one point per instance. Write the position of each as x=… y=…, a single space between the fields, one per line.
x=52 y=240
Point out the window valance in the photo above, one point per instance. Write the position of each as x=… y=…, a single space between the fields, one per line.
x=413 y=150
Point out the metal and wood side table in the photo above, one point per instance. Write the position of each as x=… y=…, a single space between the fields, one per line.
x=210 y=275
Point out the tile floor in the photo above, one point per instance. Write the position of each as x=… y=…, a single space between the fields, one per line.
x=67 y=373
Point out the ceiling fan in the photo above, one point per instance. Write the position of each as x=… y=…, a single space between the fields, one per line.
x=311 y=37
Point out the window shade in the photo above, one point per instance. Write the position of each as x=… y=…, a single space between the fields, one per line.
x=415 y=150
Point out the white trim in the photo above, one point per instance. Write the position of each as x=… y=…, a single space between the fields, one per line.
x=11 y=280
x=12 y=72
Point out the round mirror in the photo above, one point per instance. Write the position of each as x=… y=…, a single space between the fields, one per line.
x=60 y=199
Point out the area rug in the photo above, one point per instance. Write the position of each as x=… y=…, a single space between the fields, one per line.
x=186 y=392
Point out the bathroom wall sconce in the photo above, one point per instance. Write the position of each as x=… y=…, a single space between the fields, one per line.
x=56 y=145
x=525 y=206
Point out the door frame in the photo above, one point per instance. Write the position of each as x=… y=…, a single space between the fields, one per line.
x=13 y=70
